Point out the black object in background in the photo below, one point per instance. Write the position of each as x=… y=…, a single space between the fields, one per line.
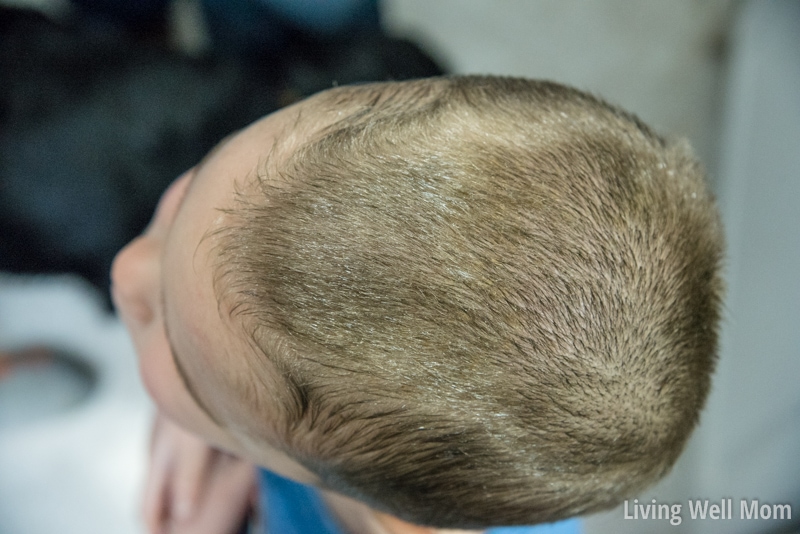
x=96 y=122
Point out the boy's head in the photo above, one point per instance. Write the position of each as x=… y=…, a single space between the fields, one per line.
x=464 y=301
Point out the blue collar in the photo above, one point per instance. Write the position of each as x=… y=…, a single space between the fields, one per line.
x=293 y=508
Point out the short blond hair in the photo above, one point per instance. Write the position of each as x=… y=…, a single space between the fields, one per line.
x=496 y=300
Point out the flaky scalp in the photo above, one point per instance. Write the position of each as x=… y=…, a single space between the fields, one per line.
x=492 y=301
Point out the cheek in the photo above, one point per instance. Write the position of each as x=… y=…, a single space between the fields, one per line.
x=159 y=374
x=166 y=388
x=136 y=296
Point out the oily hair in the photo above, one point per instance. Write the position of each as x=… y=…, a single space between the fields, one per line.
x=490 y=301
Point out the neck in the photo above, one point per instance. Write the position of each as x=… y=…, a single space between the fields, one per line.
x=358 y=518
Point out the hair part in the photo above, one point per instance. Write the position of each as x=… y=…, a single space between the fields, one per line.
x=492 y=300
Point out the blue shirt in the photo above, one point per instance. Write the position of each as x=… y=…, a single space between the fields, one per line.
x=292 y=508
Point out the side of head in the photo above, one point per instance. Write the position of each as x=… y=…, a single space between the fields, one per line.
x=491 y=301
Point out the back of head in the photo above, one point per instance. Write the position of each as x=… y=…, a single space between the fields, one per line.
x=492 y=301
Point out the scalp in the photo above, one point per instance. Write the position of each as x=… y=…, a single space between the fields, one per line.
x=495 y=300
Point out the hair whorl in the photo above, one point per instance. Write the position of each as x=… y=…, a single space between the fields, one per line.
x=496 y=299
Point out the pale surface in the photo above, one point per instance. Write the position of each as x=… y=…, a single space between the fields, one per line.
x=78 y=471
